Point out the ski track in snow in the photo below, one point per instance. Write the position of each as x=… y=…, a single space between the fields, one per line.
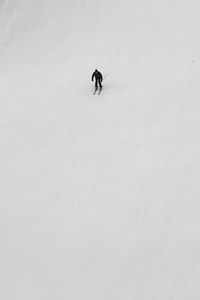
x=99 y=195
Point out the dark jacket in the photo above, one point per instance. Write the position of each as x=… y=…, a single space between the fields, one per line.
x=97 y=75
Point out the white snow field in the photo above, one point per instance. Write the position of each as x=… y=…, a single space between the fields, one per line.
x=99 y=195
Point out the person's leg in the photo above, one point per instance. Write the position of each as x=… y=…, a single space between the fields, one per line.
x=96 y=84
x=99 y=83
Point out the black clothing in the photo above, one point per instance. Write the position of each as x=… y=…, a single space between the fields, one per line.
x=98 y=79
x=97 y=75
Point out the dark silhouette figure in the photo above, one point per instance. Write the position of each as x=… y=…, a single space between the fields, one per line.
x=98 y=79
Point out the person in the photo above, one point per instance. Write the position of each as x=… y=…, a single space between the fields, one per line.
x=98 y=79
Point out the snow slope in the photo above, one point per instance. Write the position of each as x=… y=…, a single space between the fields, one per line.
x=99 y=195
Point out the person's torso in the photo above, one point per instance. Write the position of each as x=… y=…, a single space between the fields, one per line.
x=97 y=75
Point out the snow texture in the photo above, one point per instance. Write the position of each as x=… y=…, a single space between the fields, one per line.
x=99 y=195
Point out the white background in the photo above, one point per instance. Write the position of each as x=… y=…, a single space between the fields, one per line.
x=99 y=195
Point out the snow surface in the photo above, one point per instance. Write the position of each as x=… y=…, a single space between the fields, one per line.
x=100 y=195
